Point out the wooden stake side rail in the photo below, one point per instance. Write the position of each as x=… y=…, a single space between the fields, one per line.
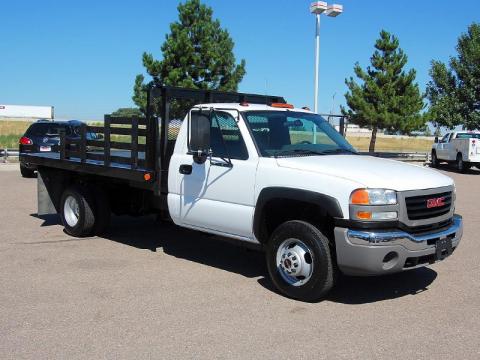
x=102 y=152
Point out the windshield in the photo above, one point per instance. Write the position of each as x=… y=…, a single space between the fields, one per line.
x=287 y=133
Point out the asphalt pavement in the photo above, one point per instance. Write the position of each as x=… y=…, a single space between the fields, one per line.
x=151 y=290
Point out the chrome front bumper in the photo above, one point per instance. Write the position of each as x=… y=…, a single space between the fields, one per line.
x=374 y=252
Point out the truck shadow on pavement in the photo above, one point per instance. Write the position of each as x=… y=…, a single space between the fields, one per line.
x=147 y=234
x=451 y=169
x=211 y=251
x=363 y=290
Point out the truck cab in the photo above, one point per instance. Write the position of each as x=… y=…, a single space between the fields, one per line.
x=261 y=172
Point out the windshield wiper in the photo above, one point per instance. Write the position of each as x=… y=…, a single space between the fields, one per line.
x=311 y=152
x=338 y=151
x=297 y=152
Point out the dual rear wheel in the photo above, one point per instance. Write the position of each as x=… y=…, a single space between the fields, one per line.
x=84 y=211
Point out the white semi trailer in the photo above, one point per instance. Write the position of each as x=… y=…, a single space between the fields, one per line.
x=26 y=111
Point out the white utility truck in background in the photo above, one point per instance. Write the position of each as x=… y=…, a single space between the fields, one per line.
x=253 y=168
x=459 y=147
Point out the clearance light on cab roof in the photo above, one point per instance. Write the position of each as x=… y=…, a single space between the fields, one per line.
x=282 y=105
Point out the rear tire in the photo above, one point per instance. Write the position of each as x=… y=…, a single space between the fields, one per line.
x=26 y=173
x=299 y=261
x=77 y=211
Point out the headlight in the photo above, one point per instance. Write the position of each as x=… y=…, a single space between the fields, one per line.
x=373 y=205
x=373 y=197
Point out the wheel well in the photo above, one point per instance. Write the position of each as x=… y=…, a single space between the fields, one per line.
x=277 y=211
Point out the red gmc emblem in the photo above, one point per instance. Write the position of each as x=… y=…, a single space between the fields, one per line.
x=436 y=202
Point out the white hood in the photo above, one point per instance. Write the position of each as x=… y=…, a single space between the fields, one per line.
x=370 y=171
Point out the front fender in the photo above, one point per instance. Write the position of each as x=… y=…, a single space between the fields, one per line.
x=329 y=205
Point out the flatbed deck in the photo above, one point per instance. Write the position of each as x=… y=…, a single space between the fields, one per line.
x=94 y=167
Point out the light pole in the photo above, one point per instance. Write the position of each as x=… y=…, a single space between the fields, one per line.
x=317 y=8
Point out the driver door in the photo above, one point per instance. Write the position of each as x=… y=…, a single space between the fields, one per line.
x=442 y=149
x=218 y=194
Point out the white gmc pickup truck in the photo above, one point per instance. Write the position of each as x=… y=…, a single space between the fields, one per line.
x=255 y=169
x=459 y=147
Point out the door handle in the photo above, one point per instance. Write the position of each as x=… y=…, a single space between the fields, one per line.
x=185 y=169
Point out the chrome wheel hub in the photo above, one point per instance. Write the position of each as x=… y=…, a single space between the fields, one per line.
x=71 y=211
x=295 y=262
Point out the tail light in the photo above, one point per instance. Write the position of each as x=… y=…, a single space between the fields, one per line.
x=25 y=141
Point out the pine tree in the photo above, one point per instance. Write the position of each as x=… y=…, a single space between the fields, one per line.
x=454 y=93
x=387 y=97
x=127 y=112
x=197 y=54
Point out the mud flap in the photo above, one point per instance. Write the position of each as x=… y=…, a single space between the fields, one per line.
x=45 y=204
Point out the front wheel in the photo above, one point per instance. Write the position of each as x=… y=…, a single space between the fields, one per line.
x=434 y=159
x=299 y=261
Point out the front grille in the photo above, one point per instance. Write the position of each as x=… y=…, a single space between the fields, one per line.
x=429 y=228
x=417 y=206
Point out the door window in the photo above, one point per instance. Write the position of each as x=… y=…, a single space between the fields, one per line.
x=445 y=138
x=226 y=140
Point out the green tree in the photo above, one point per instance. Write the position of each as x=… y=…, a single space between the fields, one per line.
x=454 y=92
x=197 y=54
x=127 y=112
x=387 y=97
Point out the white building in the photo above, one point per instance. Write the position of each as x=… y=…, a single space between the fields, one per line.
x=26 y=111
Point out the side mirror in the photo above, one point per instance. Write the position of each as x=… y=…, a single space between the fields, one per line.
x=199 y=142
x=436 y=139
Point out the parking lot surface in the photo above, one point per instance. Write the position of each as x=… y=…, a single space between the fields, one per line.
x=151 y=290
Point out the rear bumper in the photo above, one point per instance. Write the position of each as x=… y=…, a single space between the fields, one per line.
x=376 y=252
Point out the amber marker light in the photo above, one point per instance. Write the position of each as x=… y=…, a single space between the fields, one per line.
x=281 y=105
x=360 y=197
x=364 y=215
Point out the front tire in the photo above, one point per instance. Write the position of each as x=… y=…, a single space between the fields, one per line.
x=77 y=211
x=299 y=261
x=434 y=159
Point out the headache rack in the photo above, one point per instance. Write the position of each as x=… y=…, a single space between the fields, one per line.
x=136 y=146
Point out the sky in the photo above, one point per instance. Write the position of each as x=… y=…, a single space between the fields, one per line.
x=82 y=56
